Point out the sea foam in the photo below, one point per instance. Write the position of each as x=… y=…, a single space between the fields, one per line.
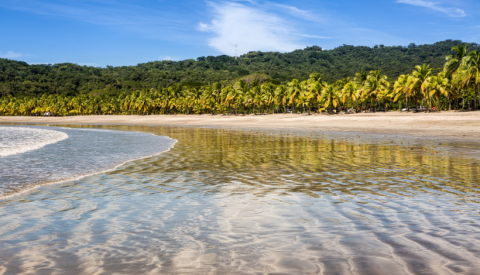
x=17 y=140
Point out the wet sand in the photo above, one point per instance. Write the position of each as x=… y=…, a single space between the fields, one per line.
x=444 y=125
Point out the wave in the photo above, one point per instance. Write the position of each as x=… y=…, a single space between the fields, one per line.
x=18 y=140
x=87 y=152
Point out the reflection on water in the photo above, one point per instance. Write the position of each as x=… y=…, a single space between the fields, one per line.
x=244 y=202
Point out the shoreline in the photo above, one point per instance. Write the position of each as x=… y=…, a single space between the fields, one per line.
x=460 y=126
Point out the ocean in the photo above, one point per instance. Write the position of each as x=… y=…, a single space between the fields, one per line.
x=183 y=200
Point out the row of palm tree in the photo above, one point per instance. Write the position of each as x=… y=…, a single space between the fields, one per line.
x=457 y=85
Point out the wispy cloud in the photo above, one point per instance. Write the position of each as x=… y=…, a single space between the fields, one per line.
x=314 y=36
x=11 y=55
x=299 y=13
x=252 y=29
x=450 y=11
x=154 y=23
x=168 y=57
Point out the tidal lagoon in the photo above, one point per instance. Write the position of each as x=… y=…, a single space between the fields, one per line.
x=244 y=201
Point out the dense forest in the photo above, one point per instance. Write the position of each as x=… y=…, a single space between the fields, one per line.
x=20 y=79
x=454 y=86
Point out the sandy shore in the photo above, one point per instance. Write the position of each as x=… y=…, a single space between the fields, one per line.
x=445 y=125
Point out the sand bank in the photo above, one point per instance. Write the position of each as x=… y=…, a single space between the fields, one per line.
x=444 y=125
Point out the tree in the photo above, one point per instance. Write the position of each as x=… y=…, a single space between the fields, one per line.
x=375 y=83
x=455 y=61
x=294 y=91
x=350 y=93
x=330 y=97
x=420 y=80
x=472 y=70
x=437 y=88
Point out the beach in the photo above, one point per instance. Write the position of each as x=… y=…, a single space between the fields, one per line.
x=444 y=125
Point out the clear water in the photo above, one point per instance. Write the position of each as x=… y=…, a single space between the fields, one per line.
x=37 y=155
x=17 y=140
x=244 y=202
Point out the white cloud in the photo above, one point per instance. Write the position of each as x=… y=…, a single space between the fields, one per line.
x=303 y=14
x=120 y=15
x=314 y=36
x=11 y=55
x=250 y=28
x=453 y=12
x=168 y=58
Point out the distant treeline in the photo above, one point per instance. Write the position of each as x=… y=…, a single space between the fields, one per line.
x=455 y=86
x=20 y=79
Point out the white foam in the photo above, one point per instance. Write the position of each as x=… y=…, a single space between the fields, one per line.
x=18 y=140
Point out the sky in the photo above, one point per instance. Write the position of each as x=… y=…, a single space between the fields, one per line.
x=127 y=32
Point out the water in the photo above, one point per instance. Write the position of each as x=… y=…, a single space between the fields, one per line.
x=17 y=140
x=243 y=202
x=35 y=156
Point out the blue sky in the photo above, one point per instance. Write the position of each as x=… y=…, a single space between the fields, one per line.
x=127 y=32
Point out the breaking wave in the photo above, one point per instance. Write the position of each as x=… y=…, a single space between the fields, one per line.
x=18 y=140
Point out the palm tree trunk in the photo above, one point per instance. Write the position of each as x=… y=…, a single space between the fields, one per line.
x=406 y=100
x=479 y=93
x=468 y=101
x=474 y=101
x=463 y=101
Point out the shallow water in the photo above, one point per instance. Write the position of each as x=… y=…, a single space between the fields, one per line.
x=244 y=202
x=36 y=155
x=18 y=140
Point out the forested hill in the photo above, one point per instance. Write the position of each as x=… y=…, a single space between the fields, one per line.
x=21 y=79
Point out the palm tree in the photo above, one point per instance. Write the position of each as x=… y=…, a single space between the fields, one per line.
x=294 y=90
x=281 y=97
x=437 y=87
x=385 y=96
x=454 y=62
x=472 y=69
x=350 y=92
x=330 y=97
x=268 y=92
x=375 y=83
x=420 y=81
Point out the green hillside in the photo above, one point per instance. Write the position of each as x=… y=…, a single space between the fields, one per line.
x=21 y=79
